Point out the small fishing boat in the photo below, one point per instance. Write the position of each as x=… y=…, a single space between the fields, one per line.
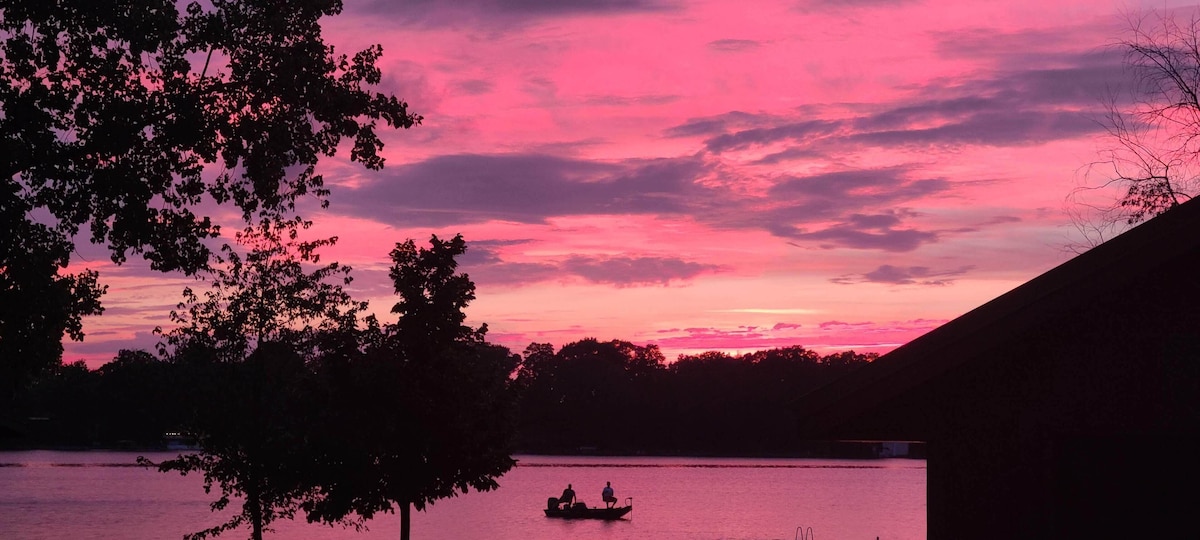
x=582 y=511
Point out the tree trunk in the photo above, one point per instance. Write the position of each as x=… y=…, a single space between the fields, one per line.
x=405 y=515
x=254 y=493
x=256 y=514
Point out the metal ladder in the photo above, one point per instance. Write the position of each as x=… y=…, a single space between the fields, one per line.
x=804 y=534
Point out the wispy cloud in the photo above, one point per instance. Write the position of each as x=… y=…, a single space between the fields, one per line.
x=496 y=13
x=770 y=311
x=1022 y=104
x=734 y=45
x=631 y=271
x=909 y=275
x=486 y=265
x=526 y=188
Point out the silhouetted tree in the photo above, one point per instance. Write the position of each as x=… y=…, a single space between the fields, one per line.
x=432 y=396
x=38 y=305
x=848 y=360
x=59 y=409
x=537 y=361
x=590 y=394
x=251 y=338
x=121 y=117
x=129 y=401
x=537 y=385
x=617 y=397
x=139 y=399
x=1155 y=133
x=713 y=403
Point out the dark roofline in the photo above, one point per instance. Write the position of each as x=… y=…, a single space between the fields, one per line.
x=1096 y=271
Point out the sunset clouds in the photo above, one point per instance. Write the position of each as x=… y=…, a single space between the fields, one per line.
x=715 y=175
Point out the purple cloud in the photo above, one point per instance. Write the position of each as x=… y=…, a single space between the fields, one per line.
x=791 y=131
x=625 y=101
x=846 y=235
x=830 y=325
x=474 y=87
x=484 y=264
x=97 y=352
x=634 y=271
x=532 y=188
x=908 y=275
x=788 y=155
x=714 y=125
x=878 y=186
x=812 y=5
x=513 y=273
x=480 y=252
x=525 y=188
x=501 y=13
x=1039 y=97
x=998 y=220
x=734 y=45
x=992 y=128
x=748 y=338
x=836 y=196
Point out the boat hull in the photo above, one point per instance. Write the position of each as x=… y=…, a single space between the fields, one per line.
x=589 y=513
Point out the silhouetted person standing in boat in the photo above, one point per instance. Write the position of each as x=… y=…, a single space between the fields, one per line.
x=568 y=497
x=607 y=495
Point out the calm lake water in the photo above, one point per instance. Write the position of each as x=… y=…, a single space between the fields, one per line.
x=102 y=495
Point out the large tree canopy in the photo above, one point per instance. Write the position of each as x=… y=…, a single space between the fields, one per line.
x=37 y=305
x=119 y=117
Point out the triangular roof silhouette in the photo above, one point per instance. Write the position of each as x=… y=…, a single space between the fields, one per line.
x=1099 y=271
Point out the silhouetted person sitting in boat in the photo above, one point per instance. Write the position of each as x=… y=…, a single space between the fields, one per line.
x=607 y=495
x=568 y=497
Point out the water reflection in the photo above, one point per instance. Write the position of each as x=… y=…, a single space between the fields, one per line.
x=46 y=495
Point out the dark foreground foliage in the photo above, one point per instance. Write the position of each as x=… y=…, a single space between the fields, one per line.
x=121 y=121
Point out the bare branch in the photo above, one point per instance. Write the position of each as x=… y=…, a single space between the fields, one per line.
x=1151 y=164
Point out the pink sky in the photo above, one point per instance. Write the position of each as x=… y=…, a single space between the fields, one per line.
x=843 y=174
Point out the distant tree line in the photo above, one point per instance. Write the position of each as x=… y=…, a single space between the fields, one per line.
x=609 y=397
x=619 y=398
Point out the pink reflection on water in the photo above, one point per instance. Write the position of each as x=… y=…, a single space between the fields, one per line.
x=101 y=495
